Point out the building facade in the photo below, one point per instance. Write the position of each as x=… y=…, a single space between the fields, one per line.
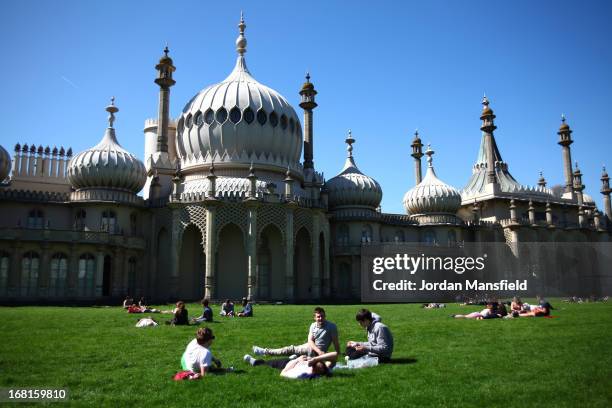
x=230 y=207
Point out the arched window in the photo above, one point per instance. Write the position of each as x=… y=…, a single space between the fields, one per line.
x=366 y=234
x=343 y=234
x=429 y=238
x=133 y=224
x=59 y=273
x=30 y=264
x=109 y=221
x=36 y=219
x=452 y=238
x=87 y=269
x=5 y=262
x=399 y=236
x=80 y=219
x=131 y=275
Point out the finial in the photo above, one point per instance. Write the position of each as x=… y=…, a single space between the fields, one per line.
x=307 y=77
x=252 y=170
x=485 y=100
x=416 y=133
x=349 y=141
x=166 y=50
x=111 y=109
x=241 y=41
x=576 y=165
x=429 y=152
x=603 y=169
x=563 y=117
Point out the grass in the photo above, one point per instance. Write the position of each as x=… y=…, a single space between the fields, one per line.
x=103 y=360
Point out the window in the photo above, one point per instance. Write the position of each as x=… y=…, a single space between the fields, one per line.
x=366 y=234
x=188 y=121
x=4 y=272
x=87 y=269
x=221 y=115
x=79 y=219
x=36 y=219
x=429 y=238
x=343 y=234
x=273 y=119
x=132 y=275
x=291 y=125
x=209 y=116
x=133 y=224
x=452 y=238
x=283 y=121
x=262 y=117
x=399 y=236
x=109 y=221
x=59 y=273
x=198 y=119
x=248 y=115
x=234 y=115
x=30 y=264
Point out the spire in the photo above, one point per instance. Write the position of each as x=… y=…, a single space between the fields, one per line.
x=417 y=153
x=241 y=41
x=429 y=153
x=307 y=102
x=350 y=162
x=164 y=68
x=111 y=109
x=542 y=180
x=488 y=126
x=565 y=140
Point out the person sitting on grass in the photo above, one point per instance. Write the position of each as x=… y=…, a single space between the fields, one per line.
x=299 y=368
x=180 y=317
x=247 y=309
x=380 y=339
x=477 y=315
x=197 y=357
x=207 y=314
x=517 y=304
x=127 y=302
x=321 y=334
x=227 y=308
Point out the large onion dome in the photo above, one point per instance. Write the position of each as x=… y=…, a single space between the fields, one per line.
x=107 y=165
x=5 y=163
x=239 y=121
x=351 y=188
x=432 y=195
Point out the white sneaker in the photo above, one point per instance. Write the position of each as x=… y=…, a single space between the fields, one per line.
x=293 y=357
x=258 y=351
x=248 y=359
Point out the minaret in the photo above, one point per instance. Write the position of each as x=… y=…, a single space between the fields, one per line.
x=308 y=104
x=605 y=190
x=488 y=126
x=578 y=186
x=565 y=140
x=417 y=153
x=165 y=81
x=541 y=181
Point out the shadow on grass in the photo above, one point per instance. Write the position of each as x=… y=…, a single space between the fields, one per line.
x=239 y=372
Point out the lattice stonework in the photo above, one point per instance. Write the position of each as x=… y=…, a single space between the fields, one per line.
x=271 y=214
x=196 y=215
x=302 y=218
x=234 y=214
x=163 y=219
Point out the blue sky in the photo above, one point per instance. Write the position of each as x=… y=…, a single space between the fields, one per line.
x=381 y=68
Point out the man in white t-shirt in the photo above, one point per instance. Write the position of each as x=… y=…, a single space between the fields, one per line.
x=197 y=356
x=321 y=334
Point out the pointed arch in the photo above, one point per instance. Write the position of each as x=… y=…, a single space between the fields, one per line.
x=271 y=263
x=232 y=268
x=192 y=264
x=302 y=265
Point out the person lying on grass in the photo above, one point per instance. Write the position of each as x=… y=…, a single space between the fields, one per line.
x=302 y=367
x=538 y=311
x=197 y=357
x=380 y=339
x=321 y=334
x=484 y=313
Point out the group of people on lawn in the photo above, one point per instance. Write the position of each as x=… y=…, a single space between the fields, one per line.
x=309 y=360
x=495 y=310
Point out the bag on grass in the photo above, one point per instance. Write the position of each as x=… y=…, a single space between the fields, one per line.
x=146 y=322
x=184 y=375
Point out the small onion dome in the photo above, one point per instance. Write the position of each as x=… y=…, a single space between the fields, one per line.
x=587 y=199
x=107 y=165
x=352 y=188
x=432 y=196
x=5 y=163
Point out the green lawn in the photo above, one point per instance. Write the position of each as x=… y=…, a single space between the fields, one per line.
x=103 y=360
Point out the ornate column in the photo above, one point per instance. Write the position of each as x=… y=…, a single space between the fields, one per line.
x=605 y=190
x=99 y=272
x=308 y=103
x=316 y=277
x=417 y=153
x=118 y=272
x=73 y=271
x=14 y=281
x=253 y=279
x=488 y=126
x=289 y=291
x=565 y=140
x=326 y=264
x=549 y=218
x=531 y=210
x=45 y=270
x=209 y=281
